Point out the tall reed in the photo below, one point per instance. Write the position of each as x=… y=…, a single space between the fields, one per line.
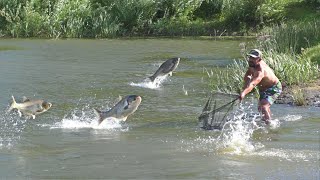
x=289 y=68
x=227 y=79
x=292 y=37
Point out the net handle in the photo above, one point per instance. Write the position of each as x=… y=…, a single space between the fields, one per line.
x=219 y=108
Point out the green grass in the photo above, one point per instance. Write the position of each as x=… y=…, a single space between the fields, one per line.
x=312 y=53
x=227 y=79
x=300 y=11
x=118 y=18
x=293 y=69
x=299 y=98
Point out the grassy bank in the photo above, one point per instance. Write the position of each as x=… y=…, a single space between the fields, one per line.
x=291 y=50
x=121 y=18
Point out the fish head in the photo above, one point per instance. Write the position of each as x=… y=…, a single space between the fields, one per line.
x=130 y=104
x=46 y=105
x=176 y=60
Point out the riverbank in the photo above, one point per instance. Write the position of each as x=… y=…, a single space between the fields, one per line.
x=301 y=95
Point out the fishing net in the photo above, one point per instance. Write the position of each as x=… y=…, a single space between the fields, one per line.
x=217 y=110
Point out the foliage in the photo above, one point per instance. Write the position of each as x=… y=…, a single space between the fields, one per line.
x=228 y=79
x=239 y=15
x=299 y=97
x=209 y=9
x=110 y=18
x=312 y=54
x=292 y=37
x=289 y=68
x=184 y=27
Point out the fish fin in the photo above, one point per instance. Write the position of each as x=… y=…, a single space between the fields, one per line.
x=125 y=118
x=119 y=99
x=25 y=99
x=40 y=110
x=152 y=78
x=20 y=114
x=12 y=105
x=99 y=114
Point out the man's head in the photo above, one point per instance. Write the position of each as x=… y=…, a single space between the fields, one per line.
x=254 y=57
x=255 y=53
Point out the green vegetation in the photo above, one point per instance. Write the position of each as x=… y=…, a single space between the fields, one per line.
x=313 y=54
x=299 y=97
x=291 y=67
x=118 y=18
x=292 y=37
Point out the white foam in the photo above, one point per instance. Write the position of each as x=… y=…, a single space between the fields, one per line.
x=11 y=130
x=274 y=124
x=85 y=119
x=156 y=84
x=291 y=118
x=185 y=91
x=76 y=123
x=235 y=137
x=289 y=155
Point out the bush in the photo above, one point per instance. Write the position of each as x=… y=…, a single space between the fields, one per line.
x=299 y=97
x=291 y=68
x=239 y=15
x=292 y=37
x=312 y=53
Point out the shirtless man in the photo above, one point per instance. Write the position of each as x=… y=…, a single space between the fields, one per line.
x=261 y=75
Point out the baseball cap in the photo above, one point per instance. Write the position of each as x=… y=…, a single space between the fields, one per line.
x=255 y=53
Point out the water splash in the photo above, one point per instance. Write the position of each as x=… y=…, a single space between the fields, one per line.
x=291 y=118
x=85 y=118
x=156 y=84
x=11 y=129
x=236 y=135
x=79 y=123
x=185 y=91
x=289 y=155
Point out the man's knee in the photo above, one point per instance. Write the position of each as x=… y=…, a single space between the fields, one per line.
x=263 y=105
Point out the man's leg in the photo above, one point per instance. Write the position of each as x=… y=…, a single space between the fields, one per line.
x=264 y=108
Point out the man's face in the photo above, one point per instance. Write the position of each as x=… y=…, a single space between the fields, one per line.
x=253 y=61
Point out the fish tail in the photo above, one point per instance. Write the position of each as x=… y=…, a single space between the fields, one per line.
x=13 y=104
x=99 y=114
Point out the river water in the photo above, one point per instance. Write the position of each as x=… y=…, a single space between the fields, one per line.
x=161 y=140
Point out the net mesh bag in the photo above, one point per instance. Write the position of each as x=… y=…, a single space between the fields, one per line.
x=216 y=111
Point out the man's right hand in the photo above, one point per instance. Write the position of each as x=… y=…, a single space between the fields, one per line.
x=241 y=96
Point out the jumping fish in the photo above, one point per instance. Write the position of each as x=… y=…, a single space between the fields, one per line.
x=30 y=108
x=166 y=68
x=125 y=107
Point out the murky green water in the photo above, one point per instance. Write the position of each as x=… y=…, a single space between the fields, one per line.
x=161 y=140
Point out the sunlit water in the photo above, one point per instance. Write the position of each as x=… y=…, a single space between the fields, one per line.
x=162 y=138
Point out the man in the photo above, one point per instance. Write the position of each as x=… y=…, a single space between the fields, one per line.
x=261 y=75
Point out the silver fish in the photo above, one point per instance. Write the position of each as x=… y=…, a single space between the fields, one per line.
x=125 y=107
x=166 y=68
x=30 y=108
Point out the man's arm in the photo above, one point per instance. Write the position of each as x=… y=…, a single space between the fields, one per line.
x=254 y=82
x=247 y=78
